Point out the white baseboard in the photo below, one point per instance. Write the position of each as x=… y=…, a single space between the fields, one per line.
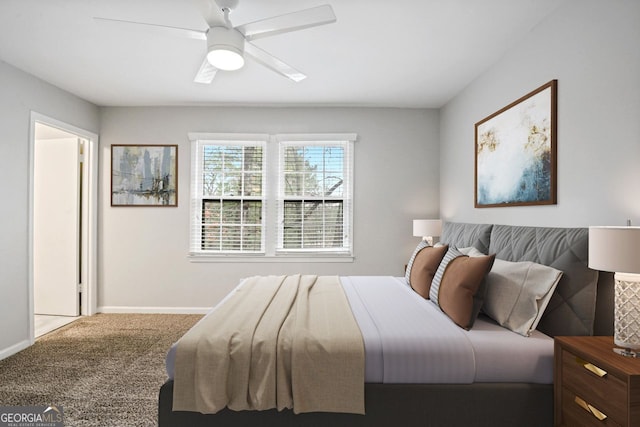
x=10 y=351
x=154 y=310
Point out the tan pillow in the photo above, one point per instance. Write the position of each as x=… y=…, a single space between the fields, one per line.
x=456 y=282
x=425 y=265
x=518 y=294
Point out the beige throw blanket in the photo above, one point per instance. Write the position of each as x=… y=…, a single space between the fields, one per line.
x=277 y=342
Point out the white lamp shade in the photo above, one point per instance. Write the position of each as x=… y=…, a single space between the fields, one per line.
x=427 y=227
x=615 y=249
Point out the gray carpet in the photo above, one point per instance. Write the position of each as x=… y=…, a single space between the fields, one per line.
x=104 y=370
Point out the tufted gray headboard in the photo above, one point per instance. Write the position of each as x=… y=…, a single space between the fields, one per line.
x=583 y=301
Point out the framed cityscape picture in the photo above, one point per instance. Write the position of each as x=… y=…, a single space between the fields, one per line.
x=515 y=152
x=144 y=175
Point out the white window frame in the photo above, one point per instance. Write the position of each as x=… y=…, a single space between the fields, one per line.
x=271 y=182
x=339 y=140
x=198 y=142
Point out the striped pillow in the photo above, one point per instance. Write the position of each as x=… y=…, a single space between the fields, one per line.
x=456 y=282
x=407 y=274
x=424 y=267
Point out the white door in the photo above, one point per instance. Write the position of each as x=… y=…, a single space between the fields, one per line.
x=56 y=226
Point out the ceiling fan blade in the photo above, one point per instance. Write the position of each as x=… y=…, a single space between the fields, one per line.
x=272 y=62
x=159 y=29
x=206 y=73
x=294 y=21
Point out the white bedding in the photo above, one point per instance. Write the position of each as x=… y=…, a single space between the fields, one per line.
x=405 y=340
x=409 y=340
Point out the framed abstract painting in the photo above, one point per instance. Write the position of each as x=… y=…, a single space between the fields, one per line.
x=515 y=152
x=144 y=175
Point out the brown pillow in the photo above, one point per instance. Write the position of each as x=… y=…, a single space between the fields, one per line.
x=460 y=280
x=424 y=267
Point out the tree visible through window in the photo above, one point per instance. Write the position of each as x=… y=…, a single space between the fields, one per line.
x=232 y=198
x=271 y=195
x=313 y=192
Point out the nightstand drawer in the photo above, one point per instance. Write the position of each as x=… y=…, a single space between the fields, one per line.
x=594 y=384
x=578 y=412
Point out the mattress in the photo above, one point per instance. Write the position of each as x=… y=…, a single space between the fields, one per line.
x=408 y=339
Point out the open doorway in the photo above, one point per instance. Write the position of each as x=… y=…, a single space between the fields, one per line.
x=63 y=207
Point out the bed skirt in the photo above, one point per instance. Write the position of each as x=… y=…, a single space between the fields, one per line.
x=407 y=405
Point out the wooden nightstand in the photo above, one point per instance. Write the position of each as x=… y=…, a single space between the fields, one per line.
x=593 y=386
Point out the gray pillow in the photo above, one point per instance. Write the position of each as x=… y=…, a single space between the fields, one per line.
x=518 y=293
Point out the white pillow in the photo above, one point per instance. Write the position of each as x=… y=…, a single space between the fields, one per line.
x=471 y=251
x=518 y=293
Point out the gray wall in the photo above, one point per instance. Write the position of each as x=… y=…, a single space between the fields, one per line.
x=21 y=94
x=409 y=164
x=143 y=263
x=591 y=47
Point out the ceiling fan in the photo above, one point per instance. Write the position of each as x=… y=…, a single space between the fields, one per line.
x=228 y=45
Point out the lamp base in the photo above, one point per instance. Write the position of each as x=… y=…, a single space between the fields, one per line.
x=626 y=352
x=627 y=312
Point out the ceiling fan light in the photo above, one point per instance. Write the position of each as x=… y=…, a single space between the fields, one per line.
x=225 y=48
x=225 y=58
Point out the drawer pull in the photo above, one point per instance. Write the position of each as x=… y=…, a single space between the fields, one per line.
x=591 y=367
x=590 y=409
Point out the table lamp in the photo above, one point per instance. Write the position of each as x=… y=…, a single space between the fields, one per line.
x=617 y=249
x=427 y=229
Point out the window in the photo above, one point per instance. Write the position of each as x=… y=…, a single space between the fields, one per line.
x=228 y=196
x=314 y=188
x=271 y=196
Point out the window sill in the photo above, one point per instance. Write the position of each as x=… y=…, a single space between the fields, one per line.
x=289 y=258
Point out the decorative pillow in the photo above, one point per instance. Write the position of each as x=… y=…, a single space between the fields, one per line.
x=478 y=298
x=407 y=273
x=423 y=244
x=423 y=268
x=518 y=293
x=456 y=282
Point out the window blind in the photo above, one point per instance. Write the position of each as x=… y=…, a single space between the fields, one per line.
x=228 y=196
x=314 y=195
x=272 y=196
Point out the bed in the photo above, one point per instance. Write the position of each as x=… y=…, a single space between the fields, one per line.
x=580 y=304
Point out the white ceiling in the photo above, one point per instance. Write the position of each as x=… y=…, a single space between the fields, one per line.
x=395 y=53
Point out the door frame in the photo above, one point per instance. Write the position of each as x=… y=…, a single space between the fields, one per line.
x=89 y=246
